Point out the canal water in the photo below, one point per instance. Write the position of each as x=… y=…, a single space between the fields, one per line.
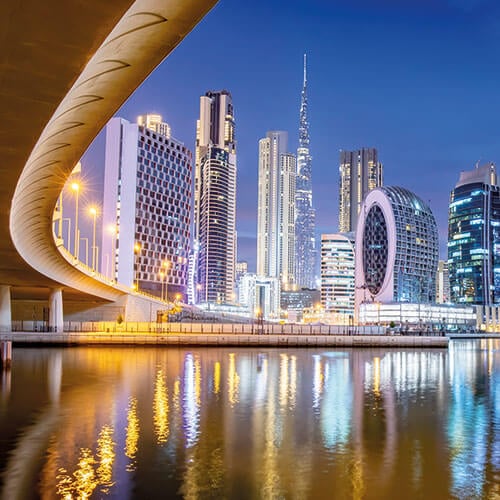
x=102 y=422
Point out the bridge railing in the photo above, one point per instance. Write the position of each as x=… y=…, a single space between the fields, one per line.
x=92 y=273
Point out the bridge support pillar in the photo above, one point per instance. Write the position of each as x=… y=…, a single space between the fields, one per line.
x=56 y=322
x=5 y=309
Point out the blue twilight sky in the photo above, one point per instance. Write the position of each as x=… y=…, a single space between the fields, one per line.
x=417 y=79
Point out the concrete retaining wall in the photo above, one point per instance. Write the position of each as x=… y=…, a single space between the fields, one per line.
x=240 y=340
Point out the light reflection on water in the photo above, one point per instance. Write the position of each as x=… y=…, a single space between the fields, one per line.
x=298 y=423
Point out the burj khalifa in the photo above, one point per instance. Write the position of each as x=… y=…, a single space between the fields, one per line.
x=305 y=251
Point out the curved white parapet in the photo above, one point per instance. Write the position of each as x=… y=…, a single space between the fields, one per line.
x=376 y=197
x=396 y=224
x=147 y=33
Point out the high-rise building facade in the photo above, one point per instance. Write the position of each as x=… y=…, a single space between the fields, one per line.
x=337 y=275
x=260 y=295
x=215 y=199
x=241 y=268
x=442 y=283
x=396 y=248
x=360 y=172
x=146 y=211
x=155 y=122
x=304 y=212
x=474 y=238
x=276 y=210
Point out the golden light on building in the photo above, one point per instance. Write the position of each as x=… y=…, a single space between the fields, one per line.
x=161 y=409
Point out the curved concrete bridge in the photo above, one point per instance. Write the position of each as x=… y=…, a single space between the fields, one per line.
x=65 y=68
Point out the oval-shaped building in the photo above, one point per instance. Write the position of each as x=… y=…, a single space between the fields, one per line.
x=397 y=248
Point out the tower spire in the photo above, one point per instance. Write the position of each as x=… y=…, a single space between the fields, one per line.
x=304 y=211
x=305 y=69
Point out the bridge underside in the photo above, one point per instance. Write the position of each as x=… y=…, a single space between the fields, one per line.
x=45 y=47
x=49 y=47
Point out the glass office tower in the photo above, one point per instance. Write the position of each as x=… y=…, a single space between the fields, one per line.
x=214 y=201
x=474 y=238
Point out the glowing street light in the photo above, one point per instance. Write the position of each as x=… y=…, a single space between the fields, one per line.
x=75 y=187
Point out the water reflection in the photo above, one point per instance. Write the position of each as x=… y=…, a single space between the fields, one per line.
x=106 y=458
x=5 y=387
x=262 y=424
x=160 y=404
x=191 y=400
x=132 y=436
x=90 y=472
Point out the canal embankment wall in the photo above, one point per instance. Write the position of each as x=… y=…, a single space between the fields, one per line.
x=222 y=340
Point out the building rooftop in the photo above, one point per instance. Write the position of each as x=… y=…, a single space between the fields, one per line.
x=485 y=174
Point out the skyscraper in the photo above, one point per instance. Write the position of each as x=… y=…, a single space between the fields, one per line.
x=474 y=238
x=396 y=248
x=304 y=211
x=276 y=209
x=155 y=122
x=360 y=172
x=442 y=283
x=215 y=198
x=337 y=275
x=147 y=207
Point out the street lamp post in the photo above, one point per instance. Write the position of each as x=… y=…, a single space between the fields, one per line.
x=68 y=220
x=93 y=212
x=86 y=250
x=76 y=189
